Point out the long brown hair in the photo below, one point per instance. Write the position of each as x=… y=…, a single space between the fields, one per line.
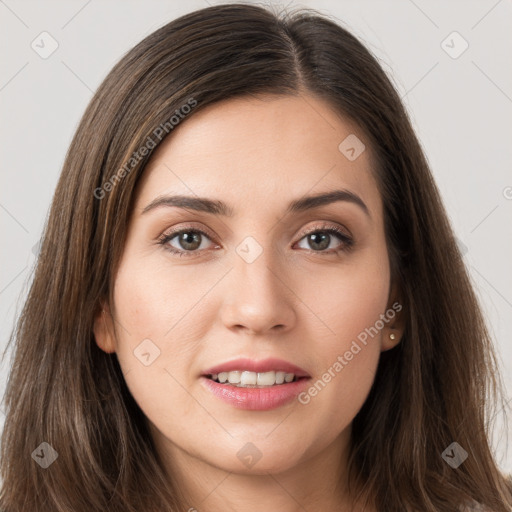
x=439 y=385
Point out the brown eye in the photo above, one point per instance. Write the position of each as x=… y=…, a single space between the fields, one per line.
x=186 y=241
x=320 y=239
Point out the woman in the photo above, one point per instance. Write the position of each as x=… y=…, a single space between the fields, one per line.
x=249 y=295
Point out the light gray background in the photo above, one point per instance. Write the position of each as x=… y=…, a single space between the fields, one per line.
x=461 y=109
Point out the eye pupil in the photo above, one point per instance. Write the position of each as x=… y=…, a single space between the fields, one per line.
x=319 y=238
x=190 y=238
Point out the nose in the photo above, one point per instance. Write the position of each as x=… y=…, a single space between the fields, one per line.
x=257 y=298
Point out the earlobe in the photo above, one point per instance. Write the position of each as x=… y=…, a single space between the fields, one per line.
x=391 y=339
x=393 y=331
x=103 y=330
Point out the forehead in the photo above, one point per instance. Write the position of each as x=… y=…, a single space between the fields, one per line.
x=249 y=151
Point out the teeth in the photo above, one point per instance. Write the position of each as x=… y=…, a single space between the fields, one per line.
x=266 y=379
x=248 y=379
x=234 y=377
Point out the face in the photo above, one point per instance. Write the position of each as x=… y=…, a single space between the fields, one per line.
x=303 y=291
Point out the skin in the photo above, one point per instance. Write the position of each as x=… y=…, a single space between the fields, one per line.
x=293 y=302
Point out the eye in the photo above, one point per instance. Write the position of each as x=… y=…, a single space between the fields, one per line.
x=188 y=242
x=320 y=238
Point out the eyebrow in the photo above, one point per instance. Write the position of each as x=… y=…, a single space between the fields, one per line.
x=217 y=207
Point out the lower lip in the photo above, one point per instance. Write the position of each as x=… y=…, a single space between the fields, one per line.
x=256 y=399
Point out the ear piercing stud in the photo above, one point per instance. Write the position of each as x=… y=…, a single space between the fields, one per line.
x=392 y=336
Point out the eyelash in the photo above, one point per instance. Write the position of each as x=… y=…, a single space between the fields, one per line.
x=347 y=242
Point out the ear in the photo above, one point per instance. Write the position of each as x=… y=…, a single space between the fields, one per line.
x=104 y=329
x=395 y=313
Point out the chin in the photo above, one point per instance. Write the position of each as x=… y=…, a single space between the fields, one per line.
x=257 y=457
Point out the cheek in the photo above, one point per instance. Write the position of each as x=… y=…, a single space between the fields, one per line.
x=156 y=338
x=348 y=305
x=346 y=299
x=342 y=383
x=158 y=301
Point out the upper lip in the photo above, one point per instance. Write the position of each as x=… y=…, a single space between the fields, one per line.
x=265 y=365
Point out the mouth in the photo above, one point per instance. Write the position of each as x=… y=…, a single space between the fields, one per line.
x=248 y=379
x=248 y=373
x=255 y=385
